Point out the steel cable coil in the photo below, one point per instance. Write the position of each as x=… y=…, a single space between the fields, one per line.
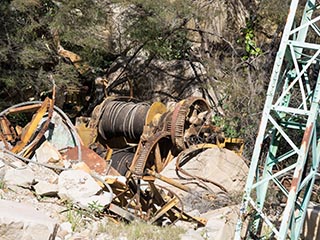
x=123 y=119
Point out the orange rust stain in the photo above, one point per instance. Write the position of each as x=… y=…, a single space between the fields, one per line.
x=92 y=159
x=295 y=182
x=307 y=135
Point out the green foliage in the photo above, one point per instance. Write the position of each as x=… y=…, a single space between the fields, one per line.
x=2 y=184
x=247 y=40
x=96 y=208
x=161 y=28
x=79 y=23
x=229 y=126
x=28 y=53
x=24 y=49
x=75 y=217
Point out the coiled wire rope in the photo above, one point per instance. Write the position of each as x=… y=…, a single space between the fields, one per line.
x=123 y=119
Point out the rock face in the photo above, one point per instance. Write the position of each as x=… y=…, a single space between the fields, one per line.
x=220 y=25
x=21 y=221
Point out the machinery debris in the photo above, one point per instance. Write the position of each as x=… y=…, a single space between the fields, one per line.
x=124 y=146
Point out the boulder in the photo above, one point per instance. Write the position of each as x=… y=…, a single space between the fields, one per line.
x=76 y=184
x=47 y=153
x=221 y=223
x=44 y=188
x=219 y=165
x=22 y=221
x=96 y=202
x=19 y=177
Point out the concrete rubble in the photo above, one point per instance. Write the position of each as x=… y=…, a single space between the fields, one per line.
x=43 y=188
x=76 y=184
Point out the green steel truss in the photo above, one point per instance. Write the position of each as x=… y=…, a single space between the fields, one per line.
x=285 y=160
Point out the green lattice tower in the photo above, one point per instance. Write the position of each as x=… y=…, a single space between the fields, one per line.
x=285 y=160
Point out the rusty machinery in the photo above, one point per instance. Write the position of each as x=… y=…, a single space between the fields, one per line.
x=154 y=135
x=129 y=138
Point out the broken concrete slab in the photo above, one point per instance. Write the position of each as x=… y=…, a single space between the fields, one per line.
x=76 y=184
x=44 y=188
x=19 y=177
x=22 y=221
x=47 y=153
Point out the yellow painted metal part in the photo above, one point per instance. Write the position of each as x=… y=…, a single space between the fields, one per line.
x=234 y=144
x=173 y=202
x=88 y=135
x=168 y=180
x=32 y=126
x=155 y=111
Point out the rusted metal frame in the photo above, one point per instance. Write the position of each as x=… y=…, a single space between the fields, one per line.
x=177 y=125
x=157 y=158
x=168 y=180
x=3 y=139
x=288 y=220
x=121 y=195
x=169 y=205
x=236 y=141
x=301 y=161
x=122 y=213
x=137 y=200
x=186 y=217
x=179 y=116
x=143 y=152
x=8 y=132
x=42 y=131
x=161 y=162
x=29 y=108
x=175 y=213
x=159 y=201
x=31 y=128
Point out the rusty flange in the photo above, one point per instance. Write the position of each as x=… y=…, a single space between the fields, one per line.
x=181 y=113
x=153 y=151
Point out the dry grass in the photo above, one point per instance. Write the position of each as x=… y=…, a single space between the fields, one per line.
x=143 y=231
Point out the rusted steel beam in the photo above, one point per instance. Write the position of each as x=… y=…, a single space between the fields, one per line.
x=169 y=205
x=31 y=128
x=168 y=180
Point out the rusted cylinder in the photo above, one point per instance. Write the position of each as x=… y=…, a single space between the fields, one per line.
x=123 y=119
x=121 y=161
